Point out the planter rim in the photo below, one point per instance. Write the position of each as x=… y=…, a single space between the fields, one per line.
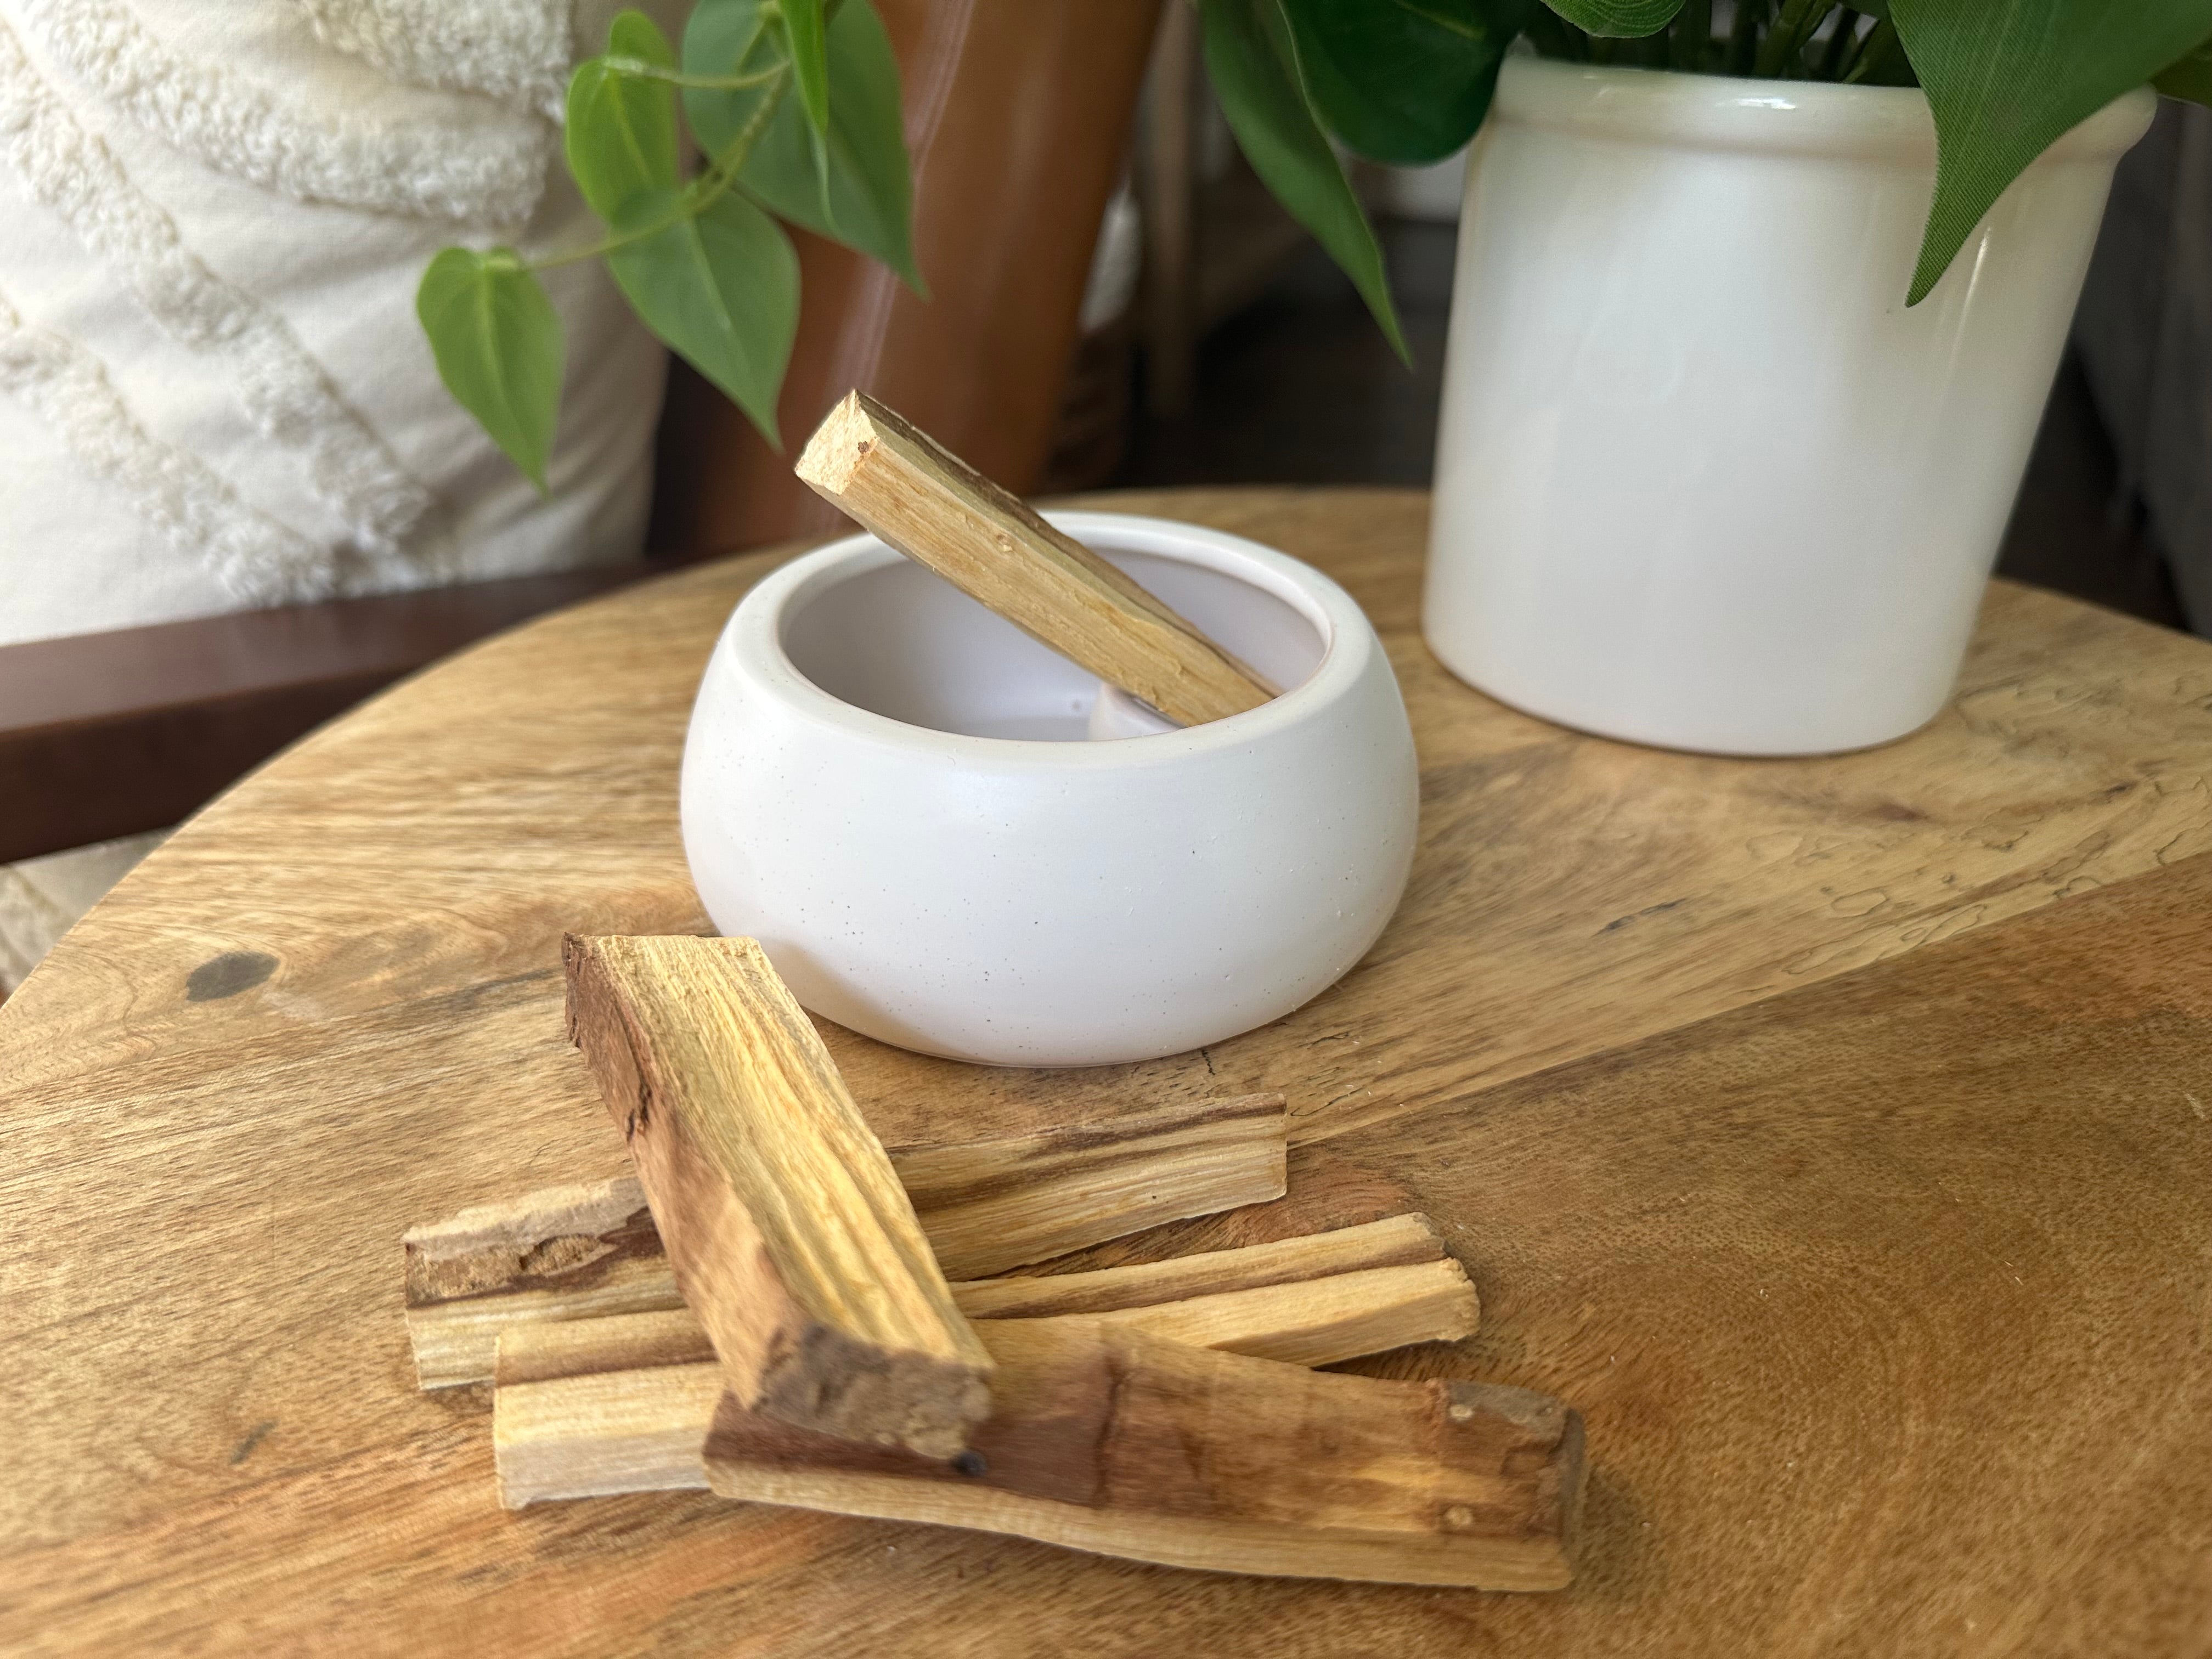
x=1719 y=112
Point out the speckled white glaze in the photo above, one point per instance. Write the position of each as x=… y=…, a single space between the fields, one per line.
x=890 y=787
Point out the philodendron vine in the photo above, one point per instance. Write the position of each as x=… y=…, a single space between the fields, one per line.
x=794 y=107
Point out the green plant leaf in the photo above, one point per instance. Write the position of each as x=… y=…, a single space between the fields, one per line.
x=2189 y=77
x=803 y=25
x=719 y=287
x=866 y=200
x=1251 y=60
x=2006 y=78
x=497 y=340
x=621 y=128
x=1618 y=20
x=1403 y=81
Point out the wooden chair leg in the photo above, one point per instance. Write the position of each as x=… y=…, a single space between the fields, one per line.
x=1167 y=183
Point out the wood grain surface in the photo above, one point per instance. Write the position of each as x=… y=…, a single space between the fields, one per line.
x=1836 y=1134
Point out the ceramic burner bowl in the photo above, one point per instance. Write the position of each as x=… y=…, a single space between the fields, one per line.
x=889 y=786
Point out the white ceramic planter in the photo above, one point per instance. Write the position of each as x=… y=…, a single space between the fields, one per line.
x=890 y=787
x=1703 y=481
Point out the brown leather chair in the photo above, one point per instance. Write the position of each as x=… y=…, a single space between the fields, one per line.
x=1017 y=116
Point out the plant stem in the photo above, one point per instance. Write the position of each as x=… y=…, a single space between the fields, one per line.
x=723 y=170
x=1743 y=35
x=1874 y=54
x=1554 y=37
x=1798 y=19
x=1840 y=45
x=638 y=68
x=1693 y=36
x=702 y=193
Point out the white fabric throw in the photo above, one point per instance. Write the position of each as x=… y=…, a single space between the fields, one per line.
x=213 y=389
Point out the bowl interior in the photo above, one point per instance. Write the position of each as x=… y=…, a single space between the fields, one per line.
x=901 y=641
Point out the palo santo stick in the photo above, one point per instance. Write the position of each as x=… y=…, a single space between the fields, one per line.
x=580 y=1347
x=559 y=1431
x=790 y=1236
x=1114 y=1441
x=989 y=1206
x=1312 y=1322
x=603 y=1432
x=583 y=1252
x=941 y=513
x=1393 y=1241
x=577 y=1251
x=1319 y=1321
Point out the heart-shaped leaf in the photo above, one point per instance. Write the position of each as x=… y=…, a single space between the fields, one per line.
x=1403 y=81
x=719 y=287
x=1252 y=64
x=621 y=126
x=2007 y=78
x=1618 y=20
x=497 y=340
x=864 y=200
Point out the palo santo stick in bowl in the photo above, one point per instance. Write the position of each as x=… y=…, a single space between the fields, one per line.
x=789 y=1233
x=938 y=511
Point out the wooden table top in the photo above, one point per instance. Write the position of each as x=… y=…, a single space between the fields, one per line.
x=1835 y=1133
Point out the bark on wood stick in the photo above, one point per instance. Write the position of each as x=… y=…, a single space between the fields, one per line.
x=1114 y=1441
x=940 y=511
x=587 y=1407
x=581 y=1252
x=790 y=1236
x=573 y=1252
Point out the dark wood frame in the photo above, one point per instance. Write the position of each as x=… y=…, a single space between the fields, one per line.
x=109 y=734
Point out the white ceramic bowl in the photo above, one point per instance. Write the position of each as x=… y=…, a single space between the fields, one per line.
x=890 y=787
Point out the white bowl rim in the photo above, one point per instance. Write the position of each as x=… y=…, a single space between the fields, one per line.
x=754 y=639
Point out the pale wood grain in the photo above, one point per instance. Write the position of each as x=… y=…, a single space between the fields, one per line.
x=539 y=1351
x=458 y=1341
x=781 y=1215
x=1390 y=1242
x=1315 y=1321
x=1107 y=1439
x=919 y=498
x=1947 y=1130
x=1319 y=1321
x=1005 y=1201
x=600 y=1431
x=587 y=1408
